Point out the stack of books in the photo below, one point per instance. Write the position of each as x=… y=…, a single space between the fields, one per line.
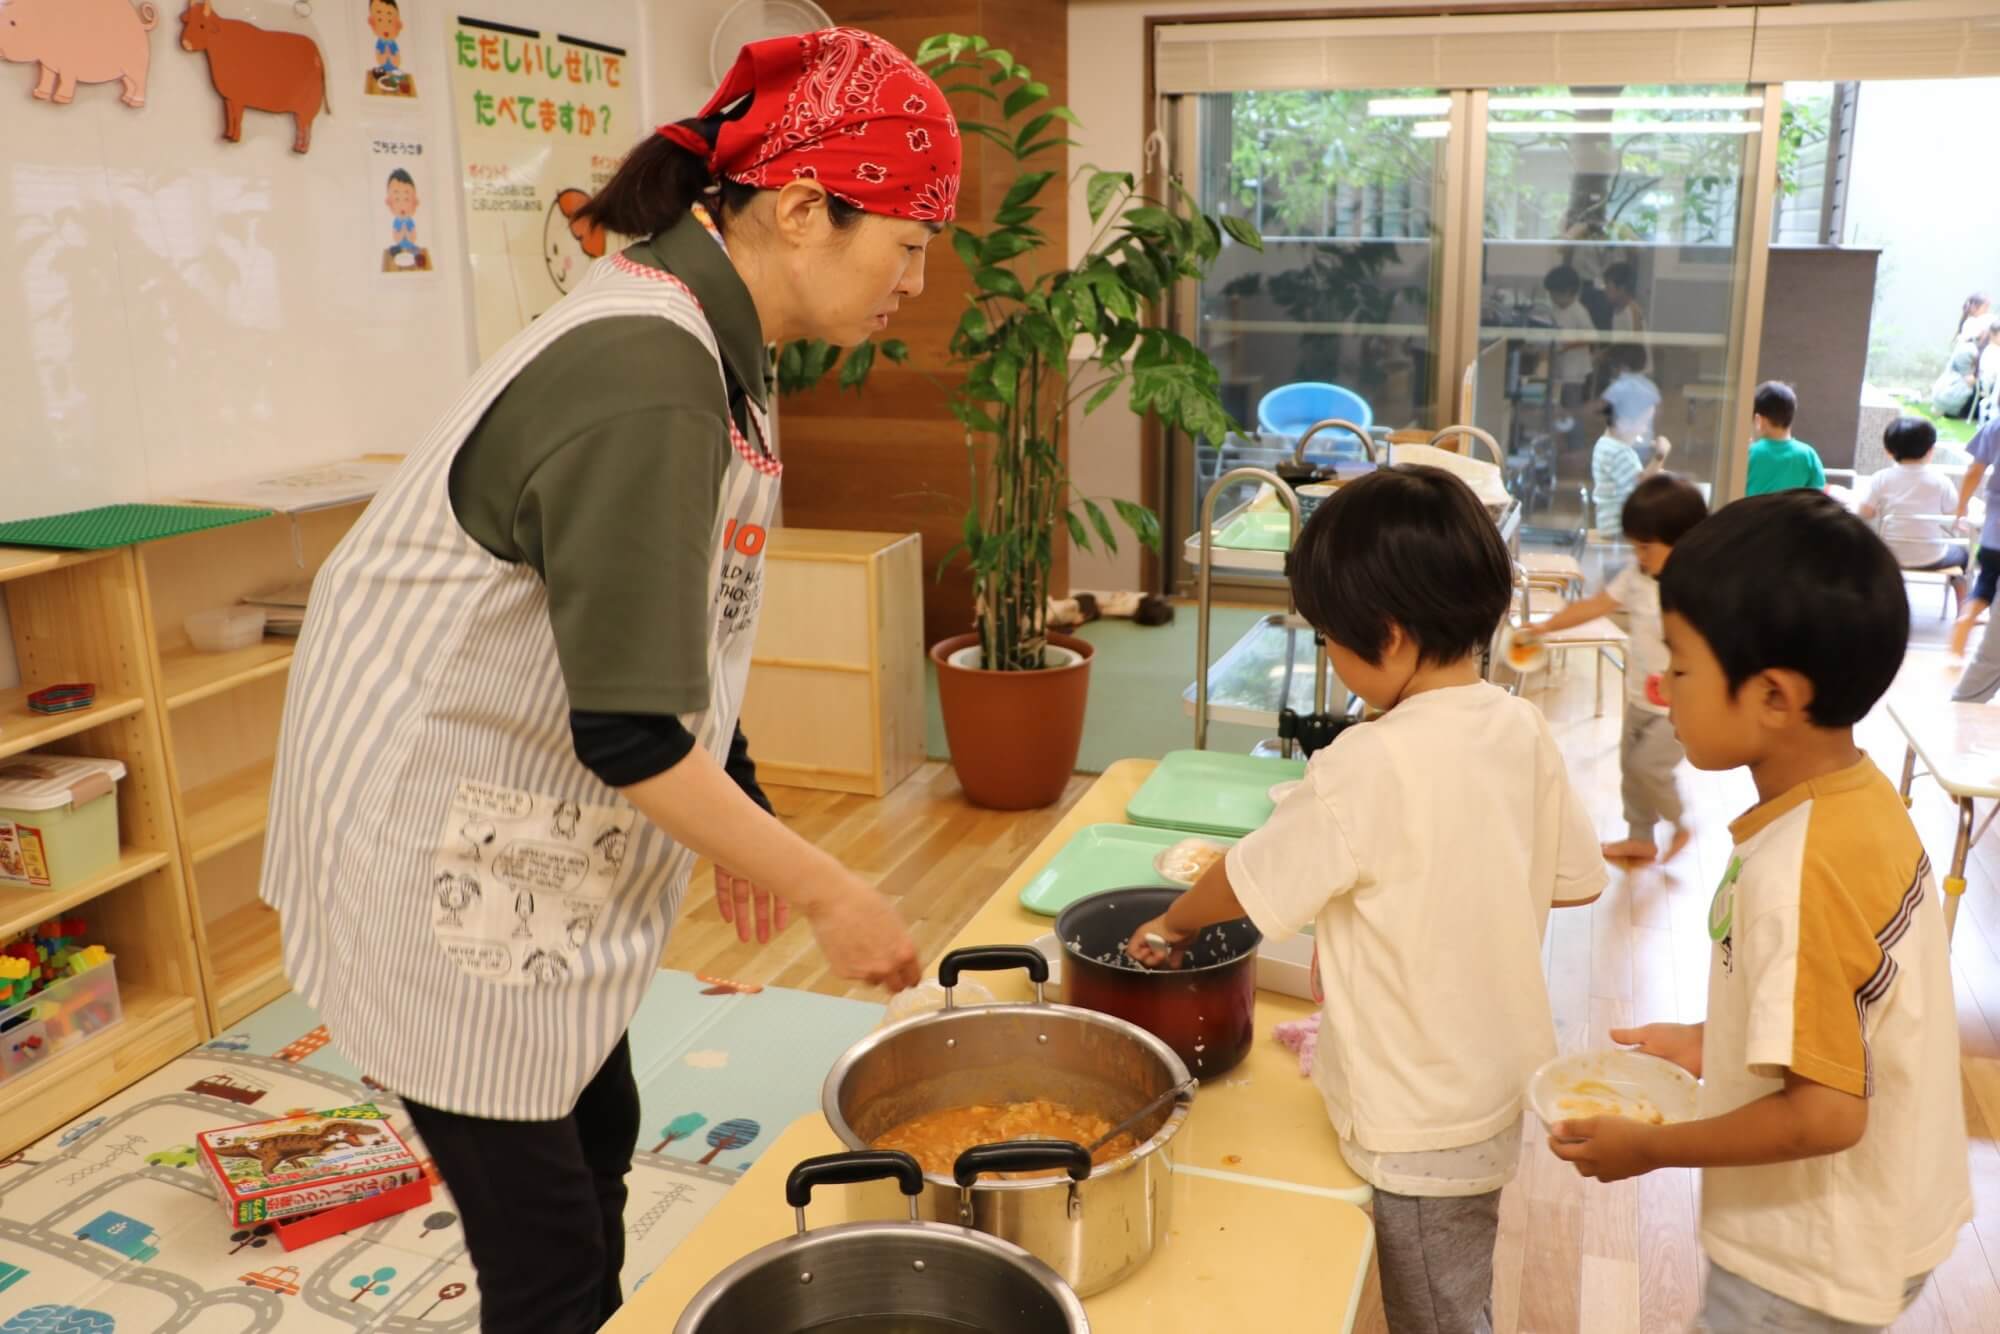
x=284 y=609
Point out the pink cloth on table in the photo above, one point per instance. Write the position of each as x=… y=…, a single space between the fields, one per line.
x=1301 y=1036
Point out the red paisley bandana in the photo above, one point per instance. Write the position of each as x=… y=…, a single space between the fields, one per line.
x=842 y=107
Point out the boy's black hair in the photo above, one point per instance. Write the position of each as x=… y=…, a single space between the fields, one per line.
x=1562 y=278
x=1909 y=439
x=1410 y=545
x=1630 y=356
x=1662 y=508
x=391 y=3
x=1792 y=580
x=1622 y=275
x=401 y=177
x=1776 y=403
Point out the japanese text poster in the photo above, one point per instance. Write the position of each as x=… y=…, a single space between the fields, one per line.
x=543 y=120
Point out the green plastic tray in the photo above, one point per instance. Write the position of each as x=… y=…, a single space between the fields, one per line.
x=1257 y=530
x=1210 y=792
x=119 y=525
x=1101 y=856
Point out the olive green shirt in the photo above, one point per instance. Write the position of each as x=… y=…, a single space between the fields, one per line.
x=601 y=465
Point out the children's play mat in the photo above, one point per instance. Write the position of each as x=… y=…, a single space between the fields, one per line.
x=109 y=1226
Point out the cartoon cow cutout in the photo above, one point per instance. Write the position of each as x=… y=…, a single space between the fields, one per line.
x=255 y=69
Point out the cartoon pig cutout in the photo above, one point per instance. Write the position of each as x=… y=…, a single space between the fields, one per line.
x=80 y=41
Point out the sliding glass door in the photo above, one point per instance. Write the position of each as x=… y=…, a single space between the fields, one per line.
x=1549 y=263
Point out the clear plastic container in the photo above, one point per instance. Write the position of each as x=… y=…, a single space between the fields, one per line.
x=73 y=1010
x=225 y=629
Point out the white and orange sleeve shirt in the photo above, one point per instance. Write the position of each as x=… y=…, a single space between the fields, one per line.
x=1830 y=960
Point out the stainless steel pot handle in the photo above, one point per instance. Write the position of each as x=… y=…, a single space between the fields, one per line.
x=992 y=958
x=1020 y=1155
x=847 y=1169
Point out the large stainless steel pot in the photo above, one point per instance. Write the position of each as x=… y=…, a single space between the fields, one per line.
x=1092 y=1231
x=908 y=1277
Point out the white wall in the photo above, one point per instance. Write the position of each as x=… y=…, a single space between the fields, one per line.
x=187 y=310
x=1921 y=192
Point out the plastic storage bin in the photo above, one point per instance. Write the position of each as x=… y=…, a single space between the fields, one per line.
x=73 y=1010
x=225 y=629
x=58 y=819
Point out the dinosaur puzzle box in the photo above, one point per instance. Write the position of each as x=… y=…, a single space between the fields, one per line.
x=301 y=1164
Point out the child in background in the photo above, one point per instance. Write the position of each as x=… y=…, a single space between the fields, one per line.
x=1907 y=489
x=1985 y=449
x=1572 y=355
x=1659 y=513
x=1621 y=292
x=1427 y=846
x=1615 y=468
x=1831 y=1135
x=1777 y=461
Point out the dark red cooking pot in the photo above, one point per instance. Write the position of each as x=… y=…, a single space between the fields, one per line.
x=1203 y=1009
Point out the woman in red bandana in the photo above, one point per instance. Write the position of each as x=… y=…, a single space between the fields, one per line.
x=511 y=729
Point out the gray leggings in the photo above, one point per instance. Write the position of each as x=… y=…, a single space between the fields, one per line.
x=1735 y=1305
x=1647 y=755
x=1436 y=1258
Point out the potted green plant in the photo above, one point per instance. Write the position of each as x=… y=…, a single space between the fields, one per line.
x=1034 y=341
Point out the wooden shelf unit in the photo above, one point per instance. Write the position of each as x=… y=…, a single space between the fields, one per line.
x=81 y=617
x=219 y=718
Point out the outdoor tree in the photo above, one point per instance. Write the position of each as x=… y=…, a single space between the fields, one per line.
x=733 y=1134
x=376 y=1284
x=679 y=1128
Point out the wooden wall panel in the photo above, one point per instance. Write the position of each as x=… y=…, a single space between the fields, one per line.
x=891 y=458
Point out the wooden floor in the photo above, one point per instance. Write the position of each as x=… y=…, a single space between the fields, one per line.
x=1574 y=1257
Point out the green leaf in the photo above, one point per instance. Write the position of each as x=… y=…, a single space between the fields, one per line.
x=1103 y=185
x=1006 y=374
x=1001 y=57
x=1005 y=244
x=1025 y=187
x=1117 y=343
x=998 y=136
x=1033 y=149
x=1014 y=217
x=1076 y=532
x=999 y=282
x=1148 y=219
x=1024 y=97
x=1026 y=134
x=1104 y=391
x=979 y=88
x=896 y=350
x=966 y=245
x=1047 y=340
x=972 y=324
x=1142 y=521
x=854 y=372
x=791 y=363
x=1102 y=525
x=1241 y=230
x=973 y=417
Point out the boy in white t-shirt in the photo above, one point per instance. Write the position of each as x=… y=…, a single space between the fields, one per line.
x=1659 y=512
x=1831 y=1135
x=1426 y=847
x=1899 y=496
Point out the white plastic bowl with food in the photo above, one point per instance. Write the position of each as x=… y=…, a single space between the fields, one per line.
x=1523 y=650
x=1612 y=1082
x=1188 y=860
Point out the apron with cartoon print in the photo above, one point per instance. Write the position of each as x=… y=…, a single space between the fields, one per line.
x=474 y=915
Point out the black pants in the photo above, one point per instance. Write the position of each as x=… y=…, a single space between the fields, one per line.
x=543 y=1203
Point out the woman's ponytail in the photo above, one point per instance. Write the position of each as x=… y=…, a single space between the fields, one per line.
x=653 y=188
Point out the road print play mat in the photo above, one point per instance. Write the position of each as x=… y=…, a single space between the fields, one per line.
x=110 y=1226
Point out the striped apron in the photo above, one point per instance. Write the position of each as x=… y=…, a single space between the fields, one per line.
x=474 y=915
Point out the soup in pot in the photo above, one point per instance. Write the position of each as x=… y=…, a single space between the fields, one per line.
x=936 y=1139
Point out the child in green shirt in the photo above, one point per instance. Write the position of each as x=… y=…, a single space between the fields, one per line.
x=1778 y=462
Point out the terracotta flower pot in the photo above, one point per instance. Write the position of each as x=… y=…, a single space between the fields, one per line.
x=1014 y=735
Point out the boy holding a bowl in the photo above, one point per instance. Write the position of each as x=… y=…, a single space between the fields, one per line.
x=1830 y=1134
x=1426 y=847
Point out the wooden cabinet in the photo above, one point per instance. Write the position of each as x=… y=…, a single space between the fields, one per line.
x=80 y=617
x=836 y=693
